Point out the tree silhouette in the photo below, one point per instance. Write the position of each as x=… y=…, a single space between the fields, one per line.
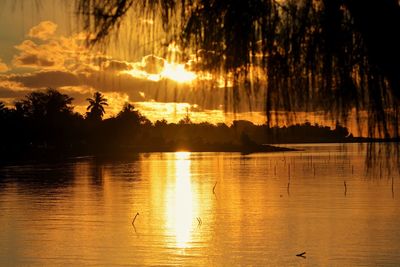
x=130 y=115
x=186 y=119
x=161 y=123
x=4 y=111
x=3 y=108
x=317 y=55
x=48 y=105
x=43 y=124
x=96 y=107
x=44 y=118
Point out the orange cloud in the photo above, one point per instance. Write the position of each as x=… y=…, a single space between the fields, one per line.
x=3 y=66
x=48 y=55
x=156 y=69
x=43 y=31
x=116 y=65
x=151 y=64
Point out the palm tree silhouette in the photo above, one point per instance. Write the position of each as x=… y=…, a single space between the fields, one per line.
x=3 y=110
x=2 y=106
x=96 y=106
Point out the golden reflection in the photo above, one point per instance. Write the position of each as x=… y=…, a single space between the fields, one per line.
x=181 y=203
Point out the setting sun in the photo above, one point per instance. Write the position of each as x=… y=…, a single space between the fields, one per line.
x=178 y=73
x=169 y=70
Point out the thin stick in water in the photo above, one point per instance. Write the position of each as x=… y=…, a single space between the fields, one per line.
x=134 y=218
x=214 y=187
x=345 y=188
x=301 y=254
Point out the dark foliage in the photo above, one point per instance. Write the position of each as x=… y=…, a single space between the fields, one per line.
x=335 y=56
x=43 y=124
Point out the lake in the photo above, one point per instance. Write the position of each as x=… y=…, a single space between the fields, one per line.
x=204 y=209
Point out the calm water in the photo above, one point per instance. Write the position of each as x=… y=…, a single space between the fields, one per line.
x=263 y=210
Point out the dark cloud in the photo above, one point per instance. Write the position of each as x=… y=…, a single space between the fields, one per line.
x=9 y=93
x=152 y=64
x=116 y=65
x=29 y=60
x=163 y=91
x=43 y=79
x=137 y=89
x=48 y=55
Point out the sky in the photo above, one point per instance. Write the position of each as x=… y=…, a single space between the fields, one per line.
x=42 y=45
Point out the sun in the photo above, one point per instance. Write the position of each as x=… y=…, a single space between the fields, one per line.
x=173 y=71
x=178 y=73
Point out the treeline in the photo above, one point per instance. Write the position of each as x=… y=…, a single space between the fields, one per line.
x=44 y=124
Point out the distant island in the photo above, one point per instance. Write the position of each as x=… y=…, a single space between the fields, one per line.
x=43 y=124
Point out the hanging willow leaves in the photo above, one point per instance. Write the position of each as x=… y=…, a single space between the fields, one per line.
x=330 y=56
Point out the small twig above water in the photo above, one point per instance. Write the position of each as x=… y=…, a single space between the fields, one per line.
x=200 y=222
x=134 y=219
x=214 y=187
x=301 y=255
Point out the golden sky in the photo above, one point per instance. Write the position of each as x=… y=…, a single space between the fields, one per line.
x=42 y=46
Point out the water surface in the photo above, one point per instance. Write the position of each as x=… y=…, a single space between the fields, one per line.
x=203 y=209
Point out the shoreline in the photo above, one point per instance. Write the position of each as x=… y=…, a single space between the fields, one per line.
x=42 y=154
x=51 y=154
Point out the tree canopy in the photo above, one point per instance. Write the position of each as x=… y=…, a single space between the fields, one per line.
x=336 y=56
x=47 y=105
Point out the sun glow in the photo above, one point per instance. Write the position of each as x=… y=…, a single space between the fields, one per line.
x=155 y=69
x=178 y=73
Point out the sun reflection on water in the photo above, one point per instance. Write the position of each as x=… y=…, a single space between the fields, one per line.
x=181 y=204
